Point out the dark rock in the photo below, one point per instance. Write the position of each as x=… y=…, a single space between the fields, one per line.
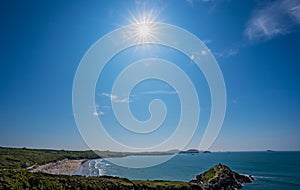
x=25 y=165
x=221 y=177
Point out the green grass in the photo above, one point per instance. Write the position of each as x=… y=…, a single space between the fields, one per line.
x=160 y=183
x=22 y=179
x=16 y=157
x=209 y=174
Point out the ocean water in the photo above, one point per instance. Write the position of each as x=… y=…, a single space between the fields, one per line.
x=271 y=170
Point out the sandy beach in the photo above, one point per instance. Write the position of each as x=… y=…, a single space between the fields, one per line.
x=62 y=167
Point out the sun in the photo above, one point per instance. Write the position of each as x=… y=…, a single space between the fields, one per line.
x=144 y=27
x=144 y=30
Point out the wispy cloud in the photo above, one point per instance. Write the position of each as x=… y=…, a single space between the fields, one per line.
x=227 y=53
x=115 y=98
x=97 y=113
x=159 y=92
x=199 y=54
x=273 y=19
x=207 y=41
x=192 y=2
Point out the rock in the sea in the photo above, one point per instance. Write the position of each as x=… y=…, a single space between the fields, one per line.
x=221 y=177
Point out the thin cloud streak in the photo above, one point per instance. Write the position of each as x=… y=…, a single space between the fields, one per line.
x=159 y=92
x=273 y=19
x=96 y=113
x=207 y=41
x=115 y=98
x=192 y=2
x=227 y=53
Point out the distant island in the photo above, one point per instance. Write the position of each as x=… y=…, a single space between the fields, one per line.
x=270 y=150
x=190 y=151
x=15 y=164
x=193 y=151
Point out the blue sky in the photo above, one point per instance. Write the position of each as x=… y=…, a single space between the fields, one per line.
x=256 y=44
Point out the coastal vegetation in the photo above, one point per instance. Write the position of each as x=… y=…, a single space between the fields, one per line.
x=15 y=162
x=13 y=158
x=22 y=179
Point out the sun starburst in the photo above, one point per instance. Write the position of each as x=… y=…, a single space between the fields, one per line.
x=143 y=26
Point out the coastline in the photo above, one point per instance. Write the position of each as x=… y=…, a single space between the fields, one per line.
x=218 y=177
x=61 y=167
x=64 y=174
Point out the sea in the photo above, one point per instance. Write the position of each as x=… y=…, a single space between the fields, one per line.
x=271 y=170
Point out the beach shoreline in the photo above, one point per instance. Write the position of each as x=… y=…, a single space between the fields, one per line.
x=61 y=167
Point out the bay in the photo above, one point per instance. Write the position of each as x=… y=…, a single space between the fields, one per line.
x=271 y=170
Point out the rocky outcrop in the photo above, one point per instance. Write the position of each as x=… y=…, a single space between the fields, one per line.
x=221 y=177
